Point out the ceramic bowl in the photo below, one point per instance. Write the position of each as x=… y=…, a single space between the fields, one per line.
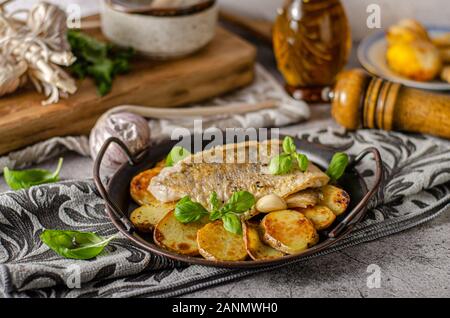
x=162 y=33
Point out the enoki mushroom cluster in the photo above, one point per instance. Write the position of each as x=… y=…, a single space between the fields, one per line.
x=34 y=49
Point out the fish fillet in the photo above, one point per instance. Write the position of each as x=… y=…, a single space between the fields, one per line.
x=230 y=168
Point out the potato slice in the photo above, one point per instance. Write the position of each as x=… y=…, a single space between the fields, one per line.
x=175 y=236
x=320 y=216
x=217 y=244
x=289 y=231
x=303 y=199
x=336 y=199
x=147 y=216
x=256 y=248
x=445 y=74
x=139 y=185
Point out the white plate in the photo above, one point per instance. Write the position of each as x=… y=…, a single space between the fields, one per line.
x=372 y=56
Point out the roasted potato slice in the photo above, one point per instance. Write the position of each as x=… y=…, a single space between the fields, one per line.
x=147 y=216
x=217 y=244
x=442 y=41
x=139 y=185
x=445 y=74
x=175 y=236
x=320 y=216
x=336 y=199
x=419 y=60
x=289 y=231
x=407 y=31
x=445 y=55
x=256 y=248
x=303 y=199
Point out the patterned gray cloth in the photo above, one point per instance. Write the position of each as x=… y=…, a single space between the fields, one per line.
x=415 y=190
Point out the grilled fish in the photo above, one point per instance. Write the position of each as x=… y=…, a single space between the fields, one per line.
x=230 y=168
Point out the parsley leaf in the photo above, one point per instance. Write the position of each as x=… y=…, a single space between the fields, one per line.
x=98 y=60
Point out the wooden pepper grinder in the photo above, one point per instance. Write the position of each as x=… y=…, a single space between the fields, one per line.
x=362 y=101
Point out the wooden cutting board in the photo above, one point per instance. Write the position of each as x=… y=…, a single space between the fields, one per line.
x=227 y=63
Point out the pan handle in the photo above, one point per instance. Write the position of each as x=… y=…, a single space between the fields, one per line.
x=365 y=200
x=118 y=213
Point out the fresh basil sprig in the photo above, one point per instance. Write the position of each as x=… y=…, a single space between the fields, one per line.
x=232 y=223
x=285 y=162
x=302 y=161
x=24 y=179
x=187 y=211
x=75 y=244
x=239 y=202
x=214 y=202
x=176 y=154
x=281 y=164
x=337 y=166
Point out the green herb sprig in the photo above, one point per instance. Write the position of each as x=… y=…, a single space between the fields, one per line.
x=101 y=61
x=24 y=179
x=176 y=154
x=286 y=161
x=75 y=244
x=187 y=211
x=337 y=166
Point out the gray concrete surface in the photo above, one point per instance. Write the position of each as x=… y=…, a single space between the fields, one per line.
x=415 y=263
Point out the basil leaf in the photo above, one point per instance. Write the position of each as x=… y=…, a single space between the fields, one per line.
x=239 y=202
x=289 y=146
x=281 y=164
x=187 y=211
x=24 y=179
x=176 y=154
x=75 y=244
x=215 y=215
x=302 y=161
x=337 y=166
x=232 y=223
x=214 y=201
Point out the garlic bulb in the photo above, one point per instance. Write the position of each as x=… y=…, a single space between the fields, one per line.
x=12 y=75
x=50 y=23
x=40 y=44
x=132 y=129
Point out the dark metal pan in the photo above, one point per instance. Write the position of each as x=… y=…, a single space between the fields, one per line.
x=119 y=203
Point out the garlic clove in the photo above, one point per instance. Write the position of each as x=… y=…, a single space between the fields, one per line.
x=270 y=203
